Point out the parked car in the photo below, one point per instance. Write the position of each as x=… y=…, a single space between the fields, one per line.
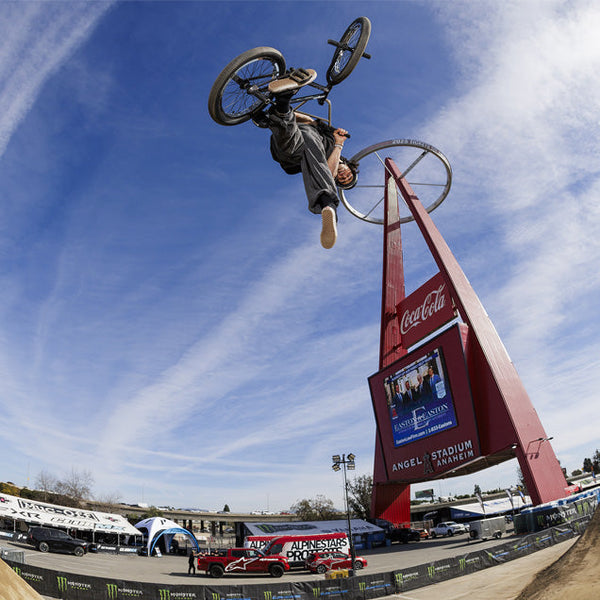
x=47 y=538
x=403 y=535
x=321 y=562
x=448 y=528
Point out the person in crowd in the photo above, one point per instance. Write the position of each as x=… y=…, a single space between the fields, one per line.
x=192 y=562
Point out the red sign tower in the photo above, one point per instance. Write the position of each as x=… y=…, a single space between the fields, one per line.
x=491 y=416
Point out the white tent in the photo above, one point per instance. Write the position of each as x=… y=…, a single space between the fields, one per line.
x=157 y=527
x=33 y=512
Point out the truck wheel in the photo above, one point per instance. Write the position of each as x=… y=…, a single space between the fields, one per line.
x=450 y=533
x=433 y=535
x=358 y=565
x=216 y=571
x=276 y=570
x=43 y=547
x=79 y=551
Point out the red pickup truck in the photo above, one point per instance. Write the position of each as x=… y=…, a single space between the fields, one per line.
x=243 y=560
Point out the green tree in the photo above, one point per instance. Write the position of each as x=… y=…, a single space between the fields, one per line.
x=576 y=473
x=319 y=508
x=360 y=492
x=521 y=481
x=226 y=508
x=596 y=461
x=587 y=465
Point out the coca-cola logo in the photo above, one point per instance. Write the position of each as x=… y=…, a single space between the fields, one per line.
x=433 y=303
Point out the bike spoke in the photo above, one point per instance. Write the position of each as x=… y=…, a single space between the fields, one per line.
x=347 y=48
x=236 y=99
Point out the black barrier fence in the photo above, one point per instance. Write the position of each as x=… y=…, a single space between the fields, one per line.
x=69 y=586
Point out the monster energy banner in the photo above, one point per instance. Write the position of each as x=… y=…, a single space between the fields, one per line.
x=69 y=586
x=542 y=517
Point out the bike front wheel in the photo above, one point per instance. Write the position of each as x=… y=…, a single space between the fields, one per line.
x=349 y=50
x=240 y=90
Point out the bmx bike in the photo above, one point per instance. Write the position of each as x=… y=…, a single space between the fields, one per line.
x=241 y=92
x=241 y=89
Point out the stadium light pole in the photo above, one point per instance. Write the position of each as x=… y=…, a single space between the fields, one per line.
x=346 y=462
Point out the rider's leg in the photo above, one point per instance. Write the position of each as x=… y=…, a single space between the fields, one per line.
x=319 y=184
x=287 y=142
x=302 y=146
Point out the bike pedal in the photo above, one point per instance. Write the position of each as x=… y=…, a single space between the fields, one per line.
x=301 y=75
x=292 y=80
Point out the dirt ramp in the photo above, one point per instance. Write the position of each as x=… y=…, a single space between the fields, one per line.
x=575 y=575
x=12 y=587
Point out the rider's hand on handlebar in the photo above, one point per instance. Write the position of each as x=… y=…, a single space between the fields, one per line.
x=340 y=135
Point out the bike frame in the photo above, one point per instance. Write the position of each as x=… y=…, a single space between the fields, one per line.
x=299 y=102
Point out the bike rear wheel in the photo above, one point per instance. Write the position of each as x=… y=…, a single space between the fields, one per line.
x=349 y=50
x=240 y=90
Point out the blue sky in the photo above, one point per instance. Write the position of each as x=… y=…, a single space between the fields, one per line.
x=168 y=319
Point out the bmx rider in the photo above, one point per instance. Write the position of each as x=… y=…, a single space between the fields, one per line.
x=301 y=144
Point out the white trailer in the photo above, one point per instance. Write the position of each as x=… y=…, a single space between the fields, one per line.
x=487 y=528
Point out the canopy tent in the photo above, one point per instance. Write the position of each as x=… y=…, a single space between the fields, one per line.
x=157 y=527
x=489 y=508
x=33 y=512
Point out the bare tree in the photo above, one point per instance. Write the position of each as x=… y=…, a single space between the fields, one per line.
x=110 y=498
x=76 y=485
x=45 y=482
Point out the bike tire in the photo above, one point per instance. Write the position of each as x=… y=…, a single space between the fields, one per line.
x=344 y=60
x=229 y=102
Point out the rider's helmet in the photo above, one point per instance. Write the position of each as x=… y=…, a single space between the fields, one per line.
x=354 y=169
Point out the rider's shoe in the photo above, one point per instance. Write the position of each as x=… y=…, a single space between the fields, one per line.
x=328 y=227
x=294 y=80
x=261 y=119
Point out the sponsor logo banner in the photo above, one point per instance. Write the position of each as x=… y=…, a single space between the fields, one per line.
x=425 y=311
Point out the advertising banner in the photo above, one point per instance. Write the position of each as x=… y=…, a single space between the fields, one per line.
x=424 y=411
x=52 y=515
x=425 y=311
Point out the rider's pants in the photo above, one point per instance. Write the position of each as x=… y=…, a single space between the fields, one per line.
x=303 y=145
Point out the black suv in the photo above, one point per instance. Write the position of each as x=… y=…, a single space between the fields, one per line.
x=403 y=535
x=46 y=538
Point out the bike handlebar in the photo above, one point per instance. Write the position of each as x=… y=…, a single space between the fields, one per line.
x=346 y=47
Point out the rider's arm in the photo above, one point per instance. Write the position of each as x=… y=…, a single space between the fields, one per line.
x=302 y=117
x=333 y=161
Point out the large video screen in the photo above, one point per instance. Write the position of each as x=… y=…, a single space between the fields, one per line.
x=419 y=399
x=424 y=411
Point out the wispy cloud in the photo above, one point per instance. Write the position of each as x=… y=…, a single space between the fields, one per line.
x=36 y=40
